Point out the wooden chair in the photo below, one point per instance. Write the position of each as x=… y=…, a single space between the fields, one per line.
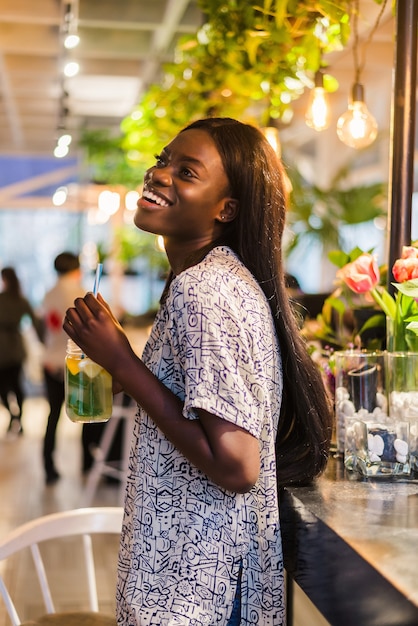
x=78 y=522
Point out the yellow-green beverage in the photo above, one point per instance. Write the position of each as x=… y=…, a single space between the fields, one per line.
x=88 y=388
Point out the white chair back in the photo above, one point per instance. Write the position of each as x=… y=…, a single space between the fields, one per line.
x=84 y=522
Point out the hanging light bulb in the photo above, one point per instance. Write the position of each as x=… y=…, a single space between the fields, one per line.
x=357 y=127
x=317 y=115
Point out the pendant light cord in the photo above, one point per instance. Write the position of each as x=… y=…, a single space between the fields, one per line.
x=355 y=10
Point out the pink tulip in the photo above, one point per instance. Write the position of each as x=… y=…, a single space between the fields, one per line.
x=409 y=252
x=405 y=268
x=361 y=275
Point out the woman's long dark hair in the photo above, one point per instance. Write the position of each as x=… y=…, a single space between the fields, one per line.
x=257 y=180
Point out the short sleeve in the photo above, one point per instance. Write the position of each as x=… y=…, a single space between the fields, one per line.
x=227 y=345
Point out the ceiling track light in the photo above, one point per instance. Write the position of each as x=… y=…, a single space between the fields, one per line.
x=64 y=138
x=70 y=25
x=357 y=128
x=71 y=41
x=71 y=68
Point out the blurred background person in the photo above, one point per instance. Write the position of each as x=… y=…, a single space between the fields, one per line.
x=13 y=308
x=56 y=301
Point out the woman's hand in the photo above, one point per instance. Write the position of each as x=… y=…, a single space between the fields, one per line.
x=92 y=326
x=225 y=452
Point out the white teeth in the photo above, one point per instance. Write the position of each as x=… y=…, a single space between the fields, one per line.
x=148 y=195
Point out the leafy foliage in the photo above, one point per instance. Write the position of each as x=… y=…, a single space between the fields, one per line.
x=347 y=319
x=130 y=244
x=250 y=60
x=105 y=160
x=133 y=243
x=316 y=215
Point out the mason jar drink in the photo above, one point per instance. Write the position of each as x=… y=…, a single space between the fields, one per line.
x=88 y=388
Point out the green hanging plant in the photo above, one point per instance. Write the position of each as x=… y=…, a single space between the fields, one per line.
x=106 y=162
x=250 y=60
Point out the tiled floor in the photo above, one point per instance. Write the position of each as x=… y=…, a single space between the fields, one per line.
x=24 y=496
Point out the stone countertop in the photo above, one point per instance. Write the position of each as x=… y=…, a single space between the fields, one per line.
x=352 y=546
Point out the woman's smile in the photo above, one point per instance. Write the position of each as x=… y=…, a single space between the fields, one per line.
x=151 y=197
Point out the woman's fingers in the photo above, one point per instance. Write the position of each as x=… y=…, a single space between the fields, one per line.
x=85 y=309
x=88 y=306
x=93 y=327
x=80 y=317
x=103 y=302
x=107 y=307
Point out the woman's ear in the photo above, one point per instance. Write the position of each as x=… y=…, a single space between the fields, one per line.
x=229 y=211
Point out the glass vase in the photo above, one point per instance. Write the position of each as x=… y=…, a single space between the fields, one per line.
x=373 y=444
x=399 y=338
x=359 y=387
x=402 y=387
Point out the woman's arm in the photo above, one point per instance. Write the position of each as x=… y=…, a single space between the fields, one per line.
x=228 y=454
x=37 y=321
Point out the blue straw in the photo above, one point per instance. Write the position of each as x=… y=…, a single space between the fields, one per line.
x=99 y=271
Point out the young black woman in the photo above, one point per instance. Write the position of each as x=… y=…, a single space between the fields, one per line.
x=230 y=403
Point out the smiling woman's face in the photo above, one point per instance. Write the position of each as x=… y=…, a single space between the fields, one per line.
x=185 y=192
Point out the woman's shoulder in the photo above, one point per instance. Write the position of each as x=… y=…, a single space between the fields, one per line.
x=220 y=273
x=219 y=262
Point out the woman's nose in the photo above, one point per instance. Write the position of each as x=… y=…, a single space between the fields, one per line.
x=160 y=175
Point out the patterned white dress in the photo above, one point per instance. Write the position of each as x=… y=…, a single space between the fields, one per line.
x=184 y=538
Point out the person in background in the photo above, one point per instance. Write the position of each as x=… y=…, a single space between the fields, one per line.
x=13 y=307
x=67 y=287
x=230 y=403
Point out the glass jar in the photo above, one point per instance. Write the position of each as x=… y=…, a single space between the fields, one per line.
x=375 y=444
x=359 y=388
x=88 y=388
x=399 y=338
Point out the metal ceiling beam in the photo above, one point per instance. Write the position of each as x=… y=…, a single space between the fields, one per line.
x=9 y=106
x=162 y=38
x=14 y=190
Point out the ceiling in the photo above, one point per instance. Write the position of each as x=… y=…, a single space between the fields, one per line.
x=122 y=46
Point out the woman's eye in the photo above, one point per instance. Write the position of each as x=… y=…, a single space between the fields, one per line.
x=186 y=172
x=159 y=161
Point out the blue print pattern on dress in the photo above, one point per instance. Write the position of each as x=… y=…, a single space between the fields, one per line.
x=184 y=538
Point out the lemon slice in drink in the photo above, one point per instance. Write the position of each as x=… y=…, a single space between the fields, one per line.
x=72 y=365
x=89 y=368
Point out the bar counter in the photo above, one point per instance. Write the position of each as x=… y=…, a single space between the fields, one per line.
x=352 y=546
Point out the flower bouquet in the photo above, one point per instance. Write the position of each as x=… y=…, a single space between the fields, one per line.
x=363 y=276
